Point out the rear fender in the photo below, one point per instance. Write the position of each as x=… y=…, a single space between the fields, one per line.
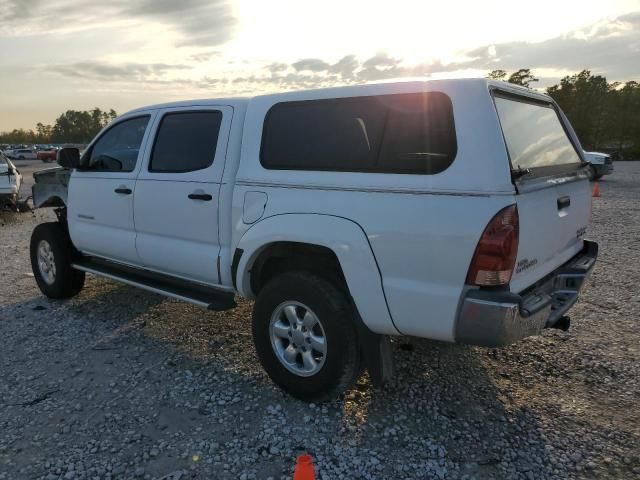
x=345 y=238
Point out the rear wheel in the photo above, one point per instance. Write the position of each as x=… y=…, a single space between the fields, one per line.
x=305 y=336
x=51 y=256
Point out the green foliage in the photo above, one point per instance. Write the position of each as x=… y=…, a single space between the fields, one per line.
x=522 y=77
x=497 y=75
x=606 y=116
x=72 y=126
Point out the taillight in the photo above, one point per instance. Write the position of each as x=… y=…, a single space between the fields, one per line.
x=495 y=256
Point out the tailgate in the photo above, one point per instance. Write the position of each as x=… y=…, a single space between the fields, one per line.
x=553 y=221
x=553 y=197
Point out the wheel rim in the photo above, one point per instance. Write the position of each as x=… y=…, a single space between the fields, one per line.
x=46 y=263
x=298 y=338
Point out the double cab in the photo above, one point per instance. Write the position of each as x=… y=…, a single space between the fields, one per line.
x=453 y=210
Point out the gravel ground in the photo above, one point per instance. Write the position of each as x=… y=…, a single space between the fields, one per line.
x=119 y=383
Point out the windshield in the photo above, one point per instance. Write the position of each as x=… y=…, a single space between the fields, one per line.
x=534 y=135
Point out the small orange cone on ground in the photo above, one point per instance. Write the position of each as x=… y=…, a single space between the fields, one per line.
x=304 y=468
x=596 y=189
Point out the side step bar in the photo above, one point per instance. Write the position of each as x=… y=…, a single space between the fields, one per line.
x=208 y=297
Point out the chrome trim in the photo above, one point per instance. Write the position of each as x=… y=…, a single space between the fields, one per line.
x=139 y=285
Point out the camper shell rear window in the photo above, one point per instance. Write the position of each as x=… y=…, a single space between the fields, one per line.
x=536 y=139
x=399 y=133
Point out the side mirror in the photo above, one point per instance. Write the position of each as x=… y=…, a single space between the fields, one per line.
x=68 y=157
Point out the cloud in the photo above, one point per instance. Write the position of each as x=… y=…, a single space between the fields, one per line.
x=609 y=47
x=606 y=47
x=311 y=64
x=199 y=22
x=119 y=72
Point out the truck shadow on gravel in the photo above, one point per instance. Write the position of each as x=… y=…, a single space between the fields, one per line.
x=124 y=373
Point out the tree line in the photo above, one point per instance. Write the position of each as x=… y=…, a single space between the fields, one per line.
x=73 y=126
x=605 y=115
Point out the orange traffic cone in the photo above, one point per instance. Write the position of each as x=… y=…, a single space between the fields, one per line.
x=596 y=190
x=304 y=468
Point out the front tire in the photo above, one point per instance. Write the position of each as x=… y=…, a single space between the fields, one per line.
x=305 y=336
x=51 y=256
x=591 y=172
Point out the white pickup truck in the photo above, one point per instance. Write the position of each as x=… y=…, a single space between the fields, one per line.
x=453 y=210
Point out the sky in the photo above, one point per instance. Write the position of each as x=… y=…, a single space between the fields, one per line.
x=78 y=54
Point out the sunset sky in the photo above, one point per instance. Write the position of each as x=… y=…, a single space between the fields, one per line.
x=121 y=54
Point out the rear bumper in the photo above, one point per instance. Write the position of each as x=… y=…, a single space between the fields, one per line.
x=496 y=319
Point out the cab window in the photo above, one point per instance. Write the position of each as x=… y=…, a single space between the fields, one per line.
x=117 y=149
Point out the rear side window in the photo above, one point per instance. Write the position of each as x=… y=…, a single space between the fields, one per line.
x=402 y=133
x=534 y=135
x=186 y=142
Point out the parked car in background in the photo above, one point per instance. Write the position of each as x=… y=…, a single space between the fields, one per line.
x=10 y=182
x=24 y=154
x=453 y=210
x=599 y=164
x=48 y=155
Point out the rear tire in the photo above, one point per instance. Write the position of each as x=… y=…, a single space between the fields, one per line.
x=51 y=256
x=296 y=316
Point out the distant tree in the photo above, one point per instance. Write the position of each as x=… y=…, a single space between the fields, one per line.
x=584 y=98
x=497 y=75
x=522 y=77
x=73 y=126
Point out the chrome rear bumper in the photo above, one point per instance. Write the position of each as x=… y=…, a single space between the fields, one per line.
x=496 y=319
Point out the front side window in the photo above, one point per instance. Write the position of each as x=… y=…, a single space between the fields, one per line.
x=117 y=149
x=400 y=133
x=534 y=136
x=186 y=142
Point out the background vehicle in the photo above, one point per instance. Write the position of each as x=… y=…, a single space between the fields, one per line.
x=599 y=164
x=453 y=210
x=23 y=154
x=49 y=155
x=10 y=182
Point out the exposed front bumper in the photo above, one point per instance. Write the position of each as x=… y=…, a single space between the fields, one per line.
x=496 y=319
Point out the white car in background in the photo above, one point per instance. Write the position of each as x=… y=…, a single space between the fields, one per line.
x=24 y=154
x=10 y=182
x=599 y=164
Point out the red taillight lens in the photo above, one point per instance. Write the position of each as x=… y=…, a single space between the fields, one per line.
x=495 y=255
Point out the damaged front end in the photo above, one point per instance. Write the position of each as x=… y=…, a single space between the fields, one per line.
x=51 y=187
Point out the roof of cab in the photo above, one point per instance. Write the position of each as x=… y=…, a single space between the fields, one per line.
x=344 y=91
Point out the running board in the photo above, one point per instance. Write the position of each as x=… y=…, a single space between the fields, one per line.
x=210 y=298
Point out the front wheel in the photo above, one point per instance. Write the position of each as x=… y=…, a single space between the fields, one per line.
x=591 y=172
x=305 y=336
x=51 y=256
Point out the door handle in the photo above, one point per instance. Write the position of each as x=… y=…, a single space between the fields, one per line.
x=201 y=196
x=564 y=202
x=123 y=190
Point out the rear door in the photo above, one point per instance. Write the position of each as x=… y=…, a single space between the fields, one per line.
x=176 y=201
x=554 y=201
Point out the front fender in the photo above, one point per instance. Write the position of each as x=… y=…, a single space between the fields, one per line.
x=345 y=238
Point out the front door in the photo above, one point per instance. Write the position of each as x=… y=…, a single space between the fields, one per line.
x=100 y=212
x=176 y=201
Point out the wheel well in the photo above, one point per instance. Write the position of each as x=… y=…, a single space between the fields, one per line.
x=280 y=257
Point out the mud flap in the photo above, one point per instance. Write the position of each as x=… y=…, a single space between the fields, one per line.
x=377 y=354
